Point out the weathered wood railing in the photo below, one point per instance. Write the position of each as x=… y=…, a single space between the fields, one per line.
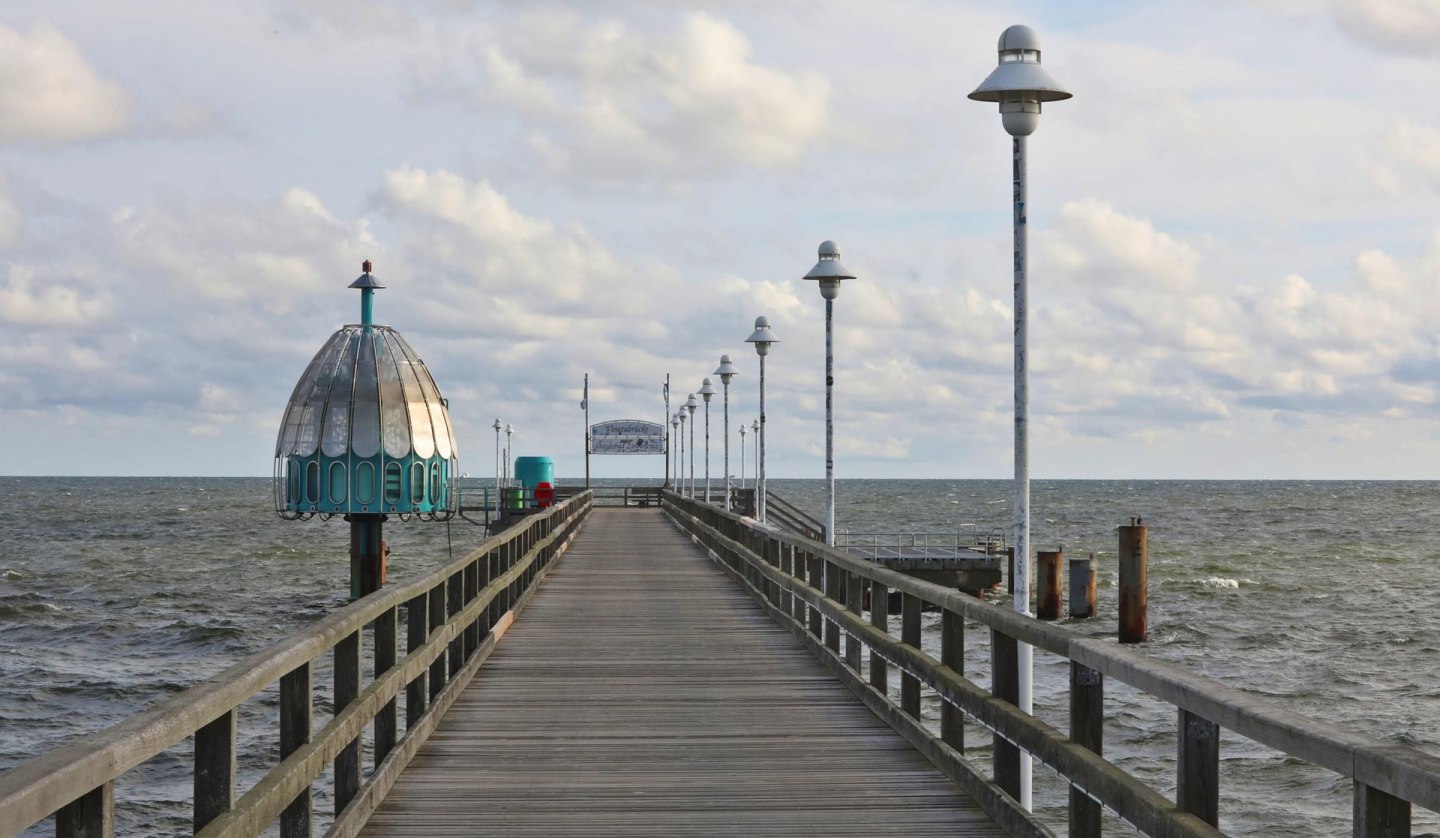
x=454 y=617
x=817 y=592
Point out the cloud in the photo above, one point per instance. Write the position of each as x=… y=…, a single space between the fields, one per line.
x=1415 y=150
x=22 y=304
x=606 y=101
x=49 y=93
x=9 y=217
x=1410 y=26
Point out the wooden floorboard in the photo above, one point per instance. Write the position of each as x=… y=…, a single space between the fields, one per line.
x=642 y=693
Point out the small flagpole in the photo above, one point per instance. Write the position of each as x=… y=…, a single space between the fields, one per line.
x=585 y=404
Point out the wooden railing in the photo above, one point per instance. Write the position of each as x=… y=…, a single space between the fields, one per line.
x=817 y=592
x=791 y=517
x=454 y=617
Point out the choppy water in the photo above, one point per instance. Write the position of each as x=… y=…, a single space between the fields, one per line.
x=1322 y=595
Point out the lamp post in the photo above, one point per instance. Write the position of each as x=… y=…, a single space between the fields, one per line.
x=707 y=392
x=680 y=471
x=509 y=431
x=829 y=273
x=762 y=337
x=1020 y=85
x=498 y=427
x=743 y=429
x=692 y=405
x=755 y=444
x=727 y=373
x=674 y=470
x=669 y=439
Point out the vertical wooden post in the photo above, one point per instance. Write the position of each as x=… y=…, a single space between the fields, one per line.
x=817 y=581
x=455 y=602
x=910 y=636
x=296 y=707
x=1134 y=583
x=952 y=654
x=1049 y=595
x=1010 y=570
x=437 y=619
x=1005 y=685
x=347 y=687
x=472 y=589
x=91 y=815
x=482 y=579
x=1198 y=784
x=783 y=556
x=1087 y=728
x=835 y=592
x=387 y=721
x=854 y=594
x=214 y=769
x=879 y=618
x=1082 y=587
x=1379 y=815
x=417 y=627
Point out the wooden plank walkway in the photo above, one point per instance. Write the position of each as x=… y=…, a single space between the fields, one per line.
x=642 y=693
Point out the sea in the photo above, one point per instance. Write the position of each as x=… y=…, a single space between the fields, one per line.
x=1320 y=596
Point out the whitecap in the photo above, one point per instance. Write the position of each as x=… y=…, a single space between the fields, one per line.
x=1220 y=582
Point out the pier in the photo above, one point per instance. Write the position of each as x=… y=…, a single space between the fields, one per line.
x=681 y=669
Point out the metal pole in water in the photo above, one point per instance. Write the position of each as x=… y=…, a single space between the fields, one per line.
x=1134 y=583
x=1082 y=587
x=1050 y=593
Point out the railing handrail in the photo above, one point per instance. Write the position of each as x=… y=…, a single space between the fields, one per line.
x=37 y=788
x=1401 y=771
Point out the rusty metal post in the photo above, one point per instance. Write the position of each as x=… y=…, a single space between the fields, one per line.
x=1082 y=587
x=1134 y=583
x=367 y=554
x=1049 y=594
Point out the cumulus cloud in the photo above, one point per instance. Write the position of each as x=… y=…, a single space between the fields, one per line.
x=606 y=100
x=23 y=304
x=49 y=92
x=1409 y=26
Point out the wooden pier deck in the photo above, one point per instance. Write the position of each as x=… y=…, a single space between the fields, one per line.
x=643 y=693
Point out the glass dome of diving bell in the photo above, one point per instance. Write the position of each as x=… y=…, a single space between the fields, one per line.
x=366 y=430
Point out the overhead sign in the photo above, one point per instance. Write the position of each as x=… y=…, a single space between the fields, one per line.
x=627 y=436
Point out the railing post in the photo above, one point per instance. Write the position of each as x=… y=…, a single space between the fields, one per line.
x=834 y=591
x=437 y=619
x=347 y=687
x=455 y=602
x=1379 y=815
x=880 y=619
x=91 y=815
x=910 y=635
x=296 y=708
x=854 y=596
x=817 y=581
x=787 y=567
x=1087 y=728
x=214 y=769
x=417 y=628
x=472 y=589
x=1198 y=784
x=387 y=720
x=952 y=654
x=1005 y=685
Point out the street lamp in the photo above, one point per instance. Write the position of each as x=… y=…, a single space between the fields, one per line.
x=1020 y=85
x=692 y=405
x=681 y=473
x=762 y=337
x=727 y=373
x=509 y=431
x=498 y=427
x=707 y=391
x=743 y=429
x=674 y=435
x=755 y=443
x=829 y=273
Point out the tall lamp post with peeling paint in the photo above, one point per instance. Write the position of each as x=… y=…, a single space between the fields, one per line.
x=707 y=392
x=1020 y=85
x=675 y=435
x=762 y=337
x=727 y=373
x=829 y=273
x=755 y=445
x=743 y=428
x=680 y=414
x=691 y=405
x=498 y=428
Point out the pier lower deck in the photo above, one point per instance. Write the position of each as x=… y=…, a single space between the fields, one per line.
x=642 y=693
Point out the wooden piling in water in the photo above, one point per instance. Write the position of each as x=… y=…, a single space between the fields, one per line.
x=1082 y=587
x=1134 y=583
x=1049 y=593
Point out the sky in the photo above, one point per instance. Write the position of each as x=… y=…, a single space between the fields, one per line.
x=1235 y=228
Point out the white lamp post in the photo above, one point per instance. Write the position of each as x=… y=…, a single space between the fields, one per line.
x=762 y=337
x=498 y=427
x=829 y=273
x=743 y=428
x=675 y=435
x=755 y=448
x=1020 y=85
x=509 y=431
x=692 y=405
x=707 y=392
x=727 y=373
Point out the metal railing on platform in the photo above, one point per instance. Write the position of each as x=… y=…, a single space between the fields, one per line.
x=454 y=615
x=818 y=592
x=922 y=546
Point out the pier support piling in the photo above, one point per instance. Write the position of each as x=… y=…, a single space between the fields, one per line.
x=1082 y=587
x=1049 y=594
x=1134 y=583
x=367 y=554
